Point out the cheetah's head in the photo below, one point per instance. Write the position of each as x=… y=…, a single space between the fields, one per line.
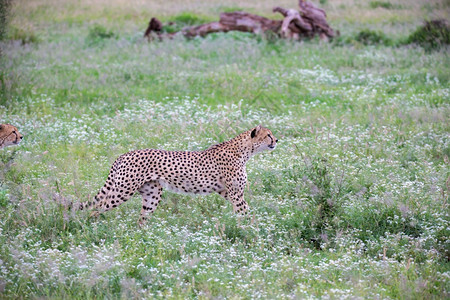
x=262 y=139
x=9 y=135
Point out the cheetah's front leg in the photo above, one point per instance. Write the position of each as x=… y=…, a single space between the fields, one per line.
x=235 y=194
x=239 y=204
x=151 y=195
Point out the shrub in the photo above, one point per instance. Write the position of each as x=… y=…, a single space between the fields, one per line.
x=189 y=19
x=432 y=35
x=382 y=4
x=17 y=34
x=98 y=33
x=5 y=6
x=371 y=37
x=325 y=193
x=365 y=37
x=182 y=20
x=314 y=222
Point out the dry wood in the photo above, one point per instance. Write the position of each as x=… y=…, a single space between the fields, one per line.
x=293 y=25
x=246 y=22
x=317 y=18
x=204 y=29
x=154 y=25
x=307 y=22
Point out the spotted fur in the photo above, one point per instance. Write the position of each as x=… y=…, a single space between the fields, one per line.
x=220 y=169
x=9 y=135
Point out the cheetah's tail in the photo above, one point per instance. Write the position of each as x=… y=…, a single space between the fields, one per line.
x=101 y=195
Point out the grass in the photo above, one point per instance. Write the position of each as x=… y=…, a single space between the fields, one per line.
x=383 y=4
x=352 y=203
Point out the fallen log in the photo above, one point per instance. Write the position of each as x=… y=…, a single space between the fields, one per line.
x=317 y=18
x=204 y=29
x=238 y=21
x=246 y=22
x=293 y=25
x=306 y=23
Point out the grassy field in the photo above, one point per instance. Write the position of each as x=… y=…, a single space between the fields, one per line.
x=353 y=203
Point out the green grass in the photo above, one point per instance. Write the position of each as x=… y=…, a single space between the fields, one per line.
x=352 y=203
x=383 y=4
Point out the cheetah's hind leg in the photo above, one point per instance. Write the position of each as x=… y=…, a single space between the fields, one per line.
x=151 y=195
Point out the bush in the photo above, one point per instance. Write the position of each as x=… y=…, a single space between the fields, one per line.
x=98 y=33
x=316 y=220
x=382 y=4
x=365 y=37
x=182 y=20
x=323 y=193
x=432 y=35
x=5 y=6
x=189 y=19
x=17 y=34
x=371 y=37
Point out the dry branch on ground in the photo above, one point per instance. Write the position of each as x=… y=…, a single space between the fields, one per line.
x=306 y=22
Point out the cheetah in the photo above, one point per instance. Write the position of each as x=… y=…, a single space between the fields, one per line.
x=9 y=135
x=220 y=169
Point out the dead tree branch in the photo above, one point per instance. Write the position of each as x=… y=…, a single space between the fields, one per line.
x=305 y=23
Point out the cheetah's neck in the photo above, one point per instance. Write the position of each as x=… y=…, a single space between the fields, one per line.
x=237 y=147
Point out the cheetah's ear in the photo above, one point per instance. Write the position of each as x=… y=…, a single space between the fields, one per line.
x=1 y=126
x=255 y=131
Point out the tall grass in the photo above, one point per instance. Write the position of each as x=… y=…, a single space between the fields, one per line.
x=352 y=203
